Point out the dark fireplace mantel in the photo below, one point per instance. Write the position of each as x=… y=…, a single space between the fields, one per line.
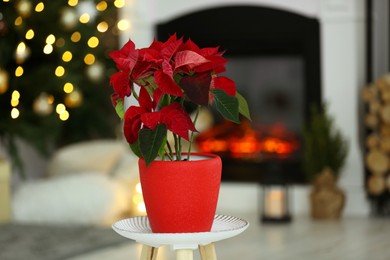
x=255 y=31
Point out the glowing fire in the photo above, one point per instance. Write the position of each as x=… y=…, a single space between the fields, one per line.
x=242 y=141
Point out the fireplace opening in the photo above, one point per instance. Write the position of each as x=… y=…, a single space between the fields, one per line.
x=274 y=58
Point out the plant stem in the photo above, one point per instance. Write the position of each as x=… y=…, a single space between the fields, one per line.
x=179 y=152
x=177 y=149
x=192 y=133
x=135 y=94
x=170 y=153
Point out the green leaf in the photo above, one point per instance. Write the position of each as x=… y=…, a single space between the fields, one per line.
x=164 y=101
x=150 y=142
x=120 y=109
x=243 y=107
x=161 y=152
x=135 y=148
x=226 y=105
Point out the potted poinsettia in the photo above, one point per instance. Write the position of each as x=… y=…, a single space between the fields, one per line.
x=163 y=78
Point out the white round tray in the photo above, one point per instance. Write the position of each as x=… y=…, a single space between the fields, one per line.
x=138 y=229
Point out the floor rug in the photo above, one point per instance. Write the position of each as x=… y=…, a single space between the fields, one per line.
x=33 y=242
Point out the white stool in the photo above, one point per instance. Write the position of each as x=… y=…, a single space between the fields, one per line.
x=207 y=252
x=138 y=229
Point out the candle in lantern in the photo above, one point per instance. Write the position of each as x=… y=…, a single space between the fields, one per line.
x=275 y=204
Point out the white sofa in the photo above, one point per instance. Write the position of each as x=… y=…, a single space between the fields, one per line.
x=88 y=183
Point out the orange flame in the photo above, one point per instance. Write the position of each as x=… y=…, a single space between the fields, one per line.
x=247 y=143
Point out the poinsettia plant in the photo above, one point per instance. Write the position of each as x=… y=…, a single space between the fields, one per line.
x=162 y=78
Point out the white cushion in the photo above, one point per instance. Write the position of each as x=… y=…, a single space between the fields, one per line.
x=99 y=156
x=86 y=198
x=127 y=167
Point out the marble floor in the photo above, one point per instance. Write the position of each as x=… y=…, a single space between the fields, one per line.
x=350 y=238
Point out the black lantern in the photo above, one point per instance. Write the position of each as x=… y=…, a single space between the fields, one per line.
x=275 y=205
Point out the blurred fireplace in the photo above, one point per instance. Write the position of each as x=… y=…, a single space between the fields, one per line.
x=274 y=58
x=244 y=142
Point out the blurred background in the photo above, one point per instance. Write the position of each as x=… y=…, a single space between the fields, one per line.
x=63 y=159
x=55 y=72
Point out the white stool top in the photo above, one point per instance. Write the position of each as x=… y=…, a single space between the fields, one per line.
x=138 y=229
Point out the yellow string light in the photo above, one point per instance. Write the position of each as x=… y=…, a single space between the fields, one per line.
x=21 y=48
x=141 y=207
x=60 y=108
x=15 y=113
x=119 y=3
x=48 y=49
x=138 y=188
x=39 y=7
x=101 y=6
x=76 y=36
x=68 y=87
x=15 y=95
x=138 y=200
x=93 y=42
x=6 y=1
x=67 y=56
x=30 y=34
x=64 y=115
x=60 y=71
x=50 y=39
x=123 y=25
x=18 y=21
x=73 y=2
x=19 y=71
x=102 y=27
x=89 y=59
x=21 y=53
x=14 y=102
x=15 y=98
x=84 y=18
x=61 y=111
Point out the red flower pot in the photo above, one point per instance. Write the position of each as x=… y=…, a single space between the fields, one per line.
x=181 y=196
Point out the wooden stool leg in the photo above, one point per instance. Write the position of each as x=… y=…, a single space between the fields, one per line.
x=148 y=252
x=207 y=252
x=184 y=254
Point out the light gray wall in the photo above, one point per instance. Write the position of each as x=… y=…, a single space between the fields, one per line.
x=380 y=31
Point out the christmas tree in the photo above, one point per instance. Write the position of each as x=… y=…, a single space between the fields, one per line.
x=54 y=71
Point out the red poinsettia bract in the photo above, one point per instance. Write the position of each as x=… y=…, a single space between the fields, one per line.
x=174 y=116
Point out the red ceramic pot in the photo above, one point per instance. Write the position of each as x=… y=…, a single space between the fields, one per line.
x=181 y=196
